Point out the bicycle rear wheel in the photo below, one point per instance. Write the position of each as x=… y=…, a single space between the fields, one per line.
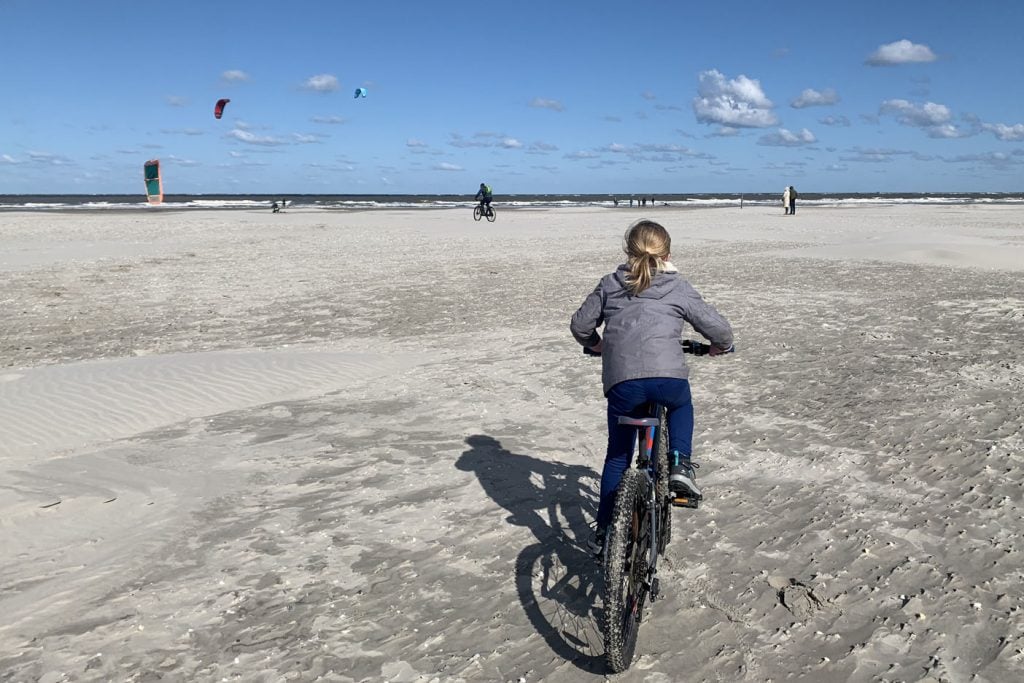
x=661 y=482
x=625 y=571
x=477 y=213
x=491 y=214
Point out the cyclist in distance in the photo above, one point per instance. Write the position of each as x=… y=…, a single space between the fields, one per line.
x=483 y=195
x=643 y=306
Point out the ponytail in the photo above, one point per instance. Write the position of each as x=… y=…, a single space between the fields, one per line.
x=647 y=246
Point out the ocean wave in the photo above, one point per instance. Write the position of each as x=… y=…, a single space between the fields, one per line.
x=371 y=202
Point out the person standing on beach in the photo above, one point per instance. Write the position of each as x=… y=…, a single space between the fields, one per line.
x=644 y=305
x=785 y=201
x=792 y=200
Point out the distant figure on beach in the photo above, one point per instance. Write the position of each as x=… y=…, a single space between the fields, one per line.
x=792 y=200
x=484 y=196
x=644 y=305
x=785 y=201
x=631 y=202
x=741 y=201
x=274 y=207
x=615 y=201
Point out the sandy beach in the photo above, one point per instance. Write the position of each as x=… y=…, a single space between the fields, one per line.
x=363 y=446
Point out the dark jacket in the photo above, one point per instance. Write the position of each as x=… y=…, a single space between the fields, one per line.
x=642 y=332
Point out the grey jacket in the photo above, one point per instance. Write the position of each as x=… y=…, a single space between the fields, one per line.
x=642 y=333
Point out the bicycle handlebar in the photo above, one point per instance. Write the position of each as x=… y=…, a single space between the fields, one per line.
x=697 y=348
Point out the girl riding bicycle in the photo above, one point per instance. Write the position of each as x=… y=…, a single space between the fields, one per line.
x=643 y=306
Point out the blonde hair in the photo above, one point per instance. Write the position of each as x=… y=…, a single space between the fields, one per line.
x=647 y=246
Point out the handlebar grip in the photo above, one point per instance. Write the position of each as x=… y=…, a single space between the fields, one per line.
x=700 y=348
x=695 y=347
x=588 y=352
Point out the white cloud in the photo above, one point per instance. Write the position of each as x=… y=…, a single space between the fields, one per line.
x=909 y=114
x=582 y=154
x=901 y=52
x=931 y=117
x=511 y=143
x=656 y=152
x=946 y=130
x=477 y=141
x=413 y=142
x=253 y=139
x=176 y=101
x=332 y=120
x=321 y=83
x=725 y=132
x=234 y=76
x=1005 y=132
x=736 y=103
x=541 y=103
x=49 y=158
x=786 y=138
x=304 y=139
x=997 y=160
x=445 y=166
x=835 y=121
x=876 y=155
x=543 y=147
x=836 y=167
x=182 y=131
x=8 y=159
x=813 y=98
x=179 y=161
x=648 y=95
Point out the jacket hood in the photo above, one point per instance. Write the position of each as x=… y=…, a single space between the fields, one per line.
x=663 y=282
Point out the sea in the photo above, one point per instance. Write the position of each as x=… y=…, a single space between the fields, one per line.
x=343 y=202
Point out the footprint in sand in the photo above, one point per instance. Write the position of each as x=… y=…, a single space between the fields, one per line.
x=797 y=597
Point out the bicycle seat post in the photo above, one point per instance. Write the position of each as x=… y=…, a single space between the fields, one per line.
x=645 y=436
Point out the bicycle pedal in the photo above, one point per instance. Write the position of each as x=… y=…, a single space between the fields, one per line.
x=686 y=502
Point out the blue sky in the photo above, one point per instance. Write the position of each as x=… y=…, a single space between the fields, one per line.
x=533 y=96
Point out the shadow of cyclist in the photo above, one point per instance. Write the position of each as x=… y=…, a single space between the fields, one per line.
x=558 y=581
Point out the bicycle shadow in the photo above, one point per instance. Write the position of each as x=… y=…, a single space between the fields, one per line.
x=558 y=581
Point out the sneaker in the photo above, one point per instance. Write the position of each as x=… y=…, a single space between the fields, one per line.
x=595 y=544
x=682 y=480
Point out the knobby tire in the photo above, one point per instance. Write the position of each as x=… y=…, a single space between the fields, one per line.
x=661 y=483
x=491 y=215
x=477 y=213
x=625 y=571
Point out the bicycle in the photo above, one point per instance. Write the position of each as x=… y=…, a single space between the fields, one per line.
x=640 y=530
x=481 y=211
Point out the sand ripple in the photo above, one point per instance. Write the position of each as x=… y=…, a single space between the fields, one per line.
x=49 y=409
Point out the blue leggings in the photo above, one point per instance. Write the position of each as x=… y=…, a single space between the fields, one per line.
x=626 y=398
